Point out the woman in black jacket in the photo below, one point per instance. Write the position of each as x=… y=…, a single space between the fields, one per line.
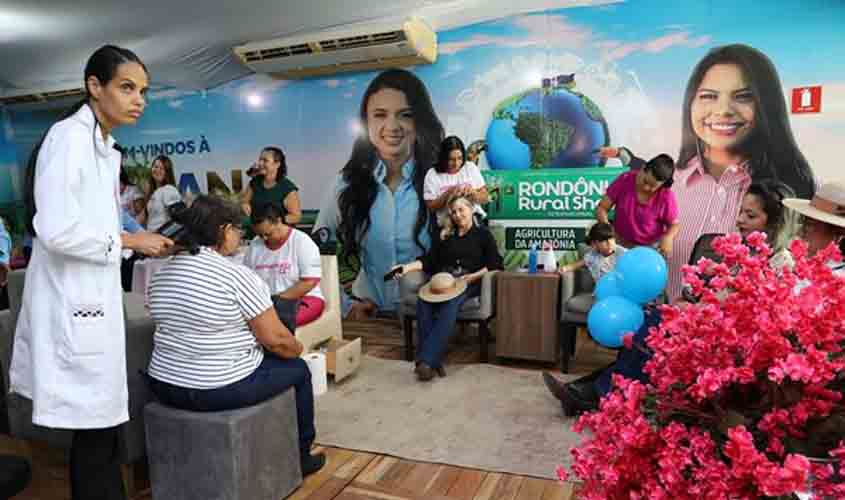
x=456 y=263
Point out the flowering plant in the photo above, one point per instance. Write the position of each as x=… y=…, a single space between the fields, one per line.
x=745 y=390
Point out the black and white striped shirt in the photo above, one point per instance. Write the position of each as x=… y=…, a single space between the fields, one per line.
x=201 y=304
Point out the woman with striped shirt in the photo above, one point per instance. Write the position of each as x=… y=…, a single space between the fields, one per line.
x=219 y=344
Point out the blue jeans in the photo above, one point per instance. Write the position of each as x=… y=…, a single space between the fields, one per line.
x=272 y=377
x=630 y=362
x=436 y=323
x=286 y=311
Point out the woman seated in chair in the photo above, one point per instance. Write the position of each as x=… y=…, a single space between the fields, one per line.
x=219 y=344
x=761 y=210
x=287 y=260
x=456 y=263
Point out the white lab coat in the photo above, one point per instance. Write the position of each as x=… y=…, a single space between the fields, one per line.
x=69 y=355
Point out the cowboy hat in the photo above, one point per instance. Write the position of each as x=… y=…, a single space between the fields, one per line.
x=442 y=287
x=828 y=205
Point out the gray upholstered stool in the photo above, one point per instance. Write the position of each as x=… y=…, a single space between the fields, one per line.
x=246 y=454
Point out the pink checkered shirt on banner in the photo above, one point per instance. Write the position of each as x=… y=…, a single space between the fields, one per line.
x=705 y=205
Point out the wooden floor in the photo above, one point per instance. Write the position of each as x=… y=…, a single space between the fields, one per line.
x=353 y=475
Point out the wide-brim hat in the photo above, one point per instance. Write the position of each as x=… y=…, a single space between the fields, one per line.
x=442 y=287
x=828 y=204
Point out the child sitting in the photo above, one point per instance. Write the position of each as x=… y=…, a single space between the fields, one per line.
x=289 y=261
x=603 y=254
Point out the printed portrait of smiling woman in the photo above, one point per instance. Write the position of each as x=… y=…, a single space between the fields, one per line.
x=376 y=209
x=735 y=114
x=722 y=112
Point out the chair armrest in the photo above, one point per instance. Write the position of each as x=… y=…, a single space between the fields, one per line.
x=567 y=288
x=410 y=284
x=488 y=292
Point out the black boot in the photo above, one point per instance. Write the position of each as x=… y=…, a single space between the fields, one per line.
x=579 y=398
x=311 y=463
x=584 y=390
x=424 y=372
x=575 y=397
x=555 y=386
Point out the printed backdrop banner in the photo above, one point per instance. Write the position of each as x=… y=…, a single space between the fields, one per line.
x=514 y=238
x=547 y=193
x=534 y=95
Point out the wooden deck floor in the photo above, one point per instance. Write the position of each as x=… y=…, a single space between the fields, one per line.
x=353 y=475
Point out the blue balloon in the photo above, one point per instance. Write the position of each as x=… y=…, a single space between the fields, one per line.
x=608 y=286
x=643 y=274
x=613 y=317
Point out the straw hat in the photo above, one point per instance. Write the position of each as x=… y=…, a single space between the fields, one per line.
x=828 y=205
x=442 y=287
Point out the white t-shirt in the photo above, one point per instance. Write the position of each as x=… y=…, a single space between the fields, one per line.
x=298 y=258
x=436 y=184
x=157 y=214
x=599 y=265
x=128 y=196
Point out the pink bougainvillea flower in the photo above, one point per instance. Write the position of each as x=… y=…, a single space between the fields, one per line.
x=739 y=383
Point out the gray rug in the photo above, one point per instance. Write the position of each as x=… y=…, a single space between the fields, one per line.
x=480 y=416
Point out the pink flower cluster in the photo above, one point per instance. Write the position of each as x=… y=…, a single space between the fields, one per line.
x=745 y=385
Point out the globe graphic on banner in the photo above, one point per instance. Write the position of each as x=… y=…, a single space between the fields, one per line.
x=550 y=127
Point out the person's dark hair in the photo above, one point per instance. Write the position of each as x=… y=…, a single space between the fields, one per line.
x=358 y=196
x=272 y=212
x=448 y=145
x=780 y=224
x=102 y=64
x=124 y=177
x=203 y=222
x=770 y=148
x=662 y=168
x=278 y=157
x=600 y=232
x=169 y=176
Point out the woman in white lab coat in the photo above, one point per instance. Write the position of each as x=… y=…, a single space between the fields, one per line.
x=69 y=355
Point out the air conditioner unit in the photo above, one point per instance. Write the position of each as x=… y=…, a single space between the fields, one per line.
x=358 y=48
x=39 y=97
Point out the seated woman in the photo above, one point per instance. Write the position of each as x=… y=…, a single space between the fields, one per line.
x=272 y=184
x=132 y=198
x=823 y=220
x=162 y=193
x=218 y=343
x=456 y=262
x=761 y=210
x=287 y=260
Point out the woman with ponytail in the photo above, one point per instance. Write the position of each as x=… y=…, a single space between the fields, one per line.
x=69 y=354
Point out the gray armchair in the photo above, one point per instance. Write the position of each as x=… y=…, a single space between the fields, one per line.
x=476 y=310
x=576 y=299
x=139 y=345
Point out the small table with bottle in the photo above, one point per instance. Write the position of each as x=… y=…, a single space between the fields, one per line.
x=527 y=315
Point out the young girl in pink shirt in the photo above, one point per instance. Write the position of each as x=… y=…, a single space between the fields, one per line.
x=646 y=208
